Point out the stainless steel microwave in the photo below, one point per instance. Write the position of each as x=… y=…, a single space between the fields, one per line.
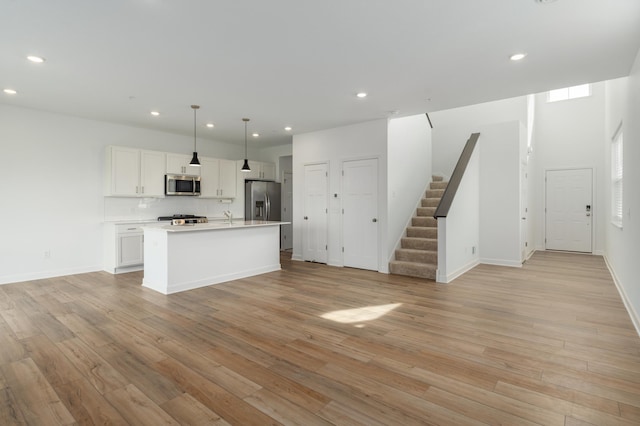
x=181 y=185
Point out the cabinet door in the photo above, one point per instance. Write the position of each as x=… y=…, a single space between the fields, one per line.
x=210 y=182
x=255 y=170
x=179 y=164
x=152 y=170
x=268 y=171
x=124 y=171
x=228 y=175
x=130 y=249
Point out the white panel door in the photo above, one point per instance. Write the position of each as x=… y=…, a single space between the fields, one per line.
x=286 y=231
x=569 y=210
x=360 y=214
x=314 y=227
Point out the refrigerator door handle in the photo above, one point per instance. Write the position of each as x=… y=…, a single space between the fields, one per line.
x=268 y=202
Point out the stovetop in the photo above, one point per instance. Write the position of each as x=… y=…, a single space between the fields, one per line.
x=184 y=219
x=179 y=216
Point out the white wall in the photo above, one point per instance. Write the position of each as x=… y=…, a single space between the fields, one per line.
x=452 y=127
x=569 y=134
x=500 y=193
x=408 y=172
x=364 y=140
x=622 y=246
x=273 y=154
x=459 y=232
x=51 y=169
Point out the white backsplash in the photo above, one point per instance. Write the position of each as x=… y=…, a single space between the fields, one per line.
x=117 y=208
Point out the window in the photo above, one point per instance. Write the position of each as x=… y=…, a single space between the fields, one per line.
x=569 y=93
x=616 y=177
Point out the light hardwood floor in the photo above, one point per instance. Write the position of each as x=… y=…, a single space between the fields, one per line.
x=548 y=344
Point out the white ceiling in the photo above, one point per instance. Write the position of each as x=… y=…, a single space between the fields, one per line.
x=300 y=62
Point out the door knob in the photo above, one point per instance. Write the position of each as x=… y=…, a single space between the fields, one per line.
x=374 y=220
x=306 y=218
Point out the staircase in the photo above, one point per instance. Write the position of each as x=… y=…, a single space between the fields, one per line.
x=418 y=255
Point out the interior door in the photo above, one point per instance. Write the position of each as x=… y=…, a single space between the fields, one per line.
x=360 y=214
x=286 y=231
x=314 y=227
x=569 y=210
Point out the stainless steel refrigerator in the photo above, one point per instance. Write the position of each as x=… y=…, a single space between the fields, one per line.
x=261 y=200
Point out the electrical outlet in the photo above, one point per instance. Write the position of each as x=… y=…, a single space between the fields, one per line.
x=47 y=254
x=473 y=250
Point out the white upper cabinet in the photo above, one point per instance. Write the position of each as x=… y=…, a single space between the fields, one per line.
x=259 y=170
x=228 y=178
x=218 y=178
x=178 y=164
x=152 y=171
x=134 y=173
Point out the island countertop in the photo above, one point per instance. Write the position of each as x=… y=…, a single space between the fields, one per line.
x=216 y=226
x=186 y=257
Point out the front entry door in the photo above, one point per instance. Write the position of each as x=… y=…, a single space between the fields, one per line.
x=360 y=214
x=569 y=210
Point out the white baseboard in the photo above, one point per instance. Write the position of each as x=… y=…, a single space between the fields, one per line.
x=502 y=262
x=296 y=257
x=455 y=274
x=10 y=279
x=635 y=319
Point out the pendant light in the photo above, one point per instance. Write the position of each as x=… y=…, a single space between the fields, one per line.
x=245 y=166
x=194 y=160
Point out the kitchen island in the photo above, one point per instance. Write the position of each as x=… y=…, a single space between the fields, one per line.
x=185 y=257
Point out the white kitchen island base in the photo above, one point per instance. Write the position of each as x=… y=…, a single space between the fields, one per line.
x=179 y=258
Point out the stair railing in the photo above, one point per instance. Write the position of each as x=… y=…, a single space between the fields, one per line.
x=450 y=191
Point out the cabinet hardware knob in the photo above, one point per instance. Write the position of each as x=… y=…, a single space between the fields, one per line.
x=306 y=218
x=374 y=220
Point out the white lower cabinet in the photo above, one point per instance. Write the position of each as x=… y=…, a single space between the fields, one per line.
x=123 y=247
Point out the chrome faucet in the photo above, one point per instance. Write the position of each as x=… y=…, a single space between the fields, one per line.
x=229 y=216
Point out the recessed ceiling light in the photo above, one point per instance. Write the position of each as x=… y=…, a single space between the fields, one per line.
x=36 y=59
x=288 y=129
x=210 y=125
x=9 y=91
x=155 y=113
x=255 y=135
x=361 y=94
x=517 y=56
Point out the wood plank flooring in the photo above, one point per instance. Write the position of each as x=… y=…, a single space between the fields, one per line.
x=548 y=344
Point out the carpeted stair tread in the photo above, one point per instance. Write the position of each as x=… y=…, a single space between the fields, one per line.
x=419 y=256
x=435 y=178
x=434 y=193
x=422 y=232
x=424 y=221
x=438 y=185
x=412 y=269
x=426 y=211
x=419 y=243
x=430 y=202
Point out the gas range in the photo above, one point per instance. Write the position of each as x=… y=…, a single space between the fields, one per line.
x=184 y=219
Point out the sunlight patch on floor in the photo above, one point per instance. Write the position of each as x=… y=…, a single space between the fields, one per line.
x=359 y=315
